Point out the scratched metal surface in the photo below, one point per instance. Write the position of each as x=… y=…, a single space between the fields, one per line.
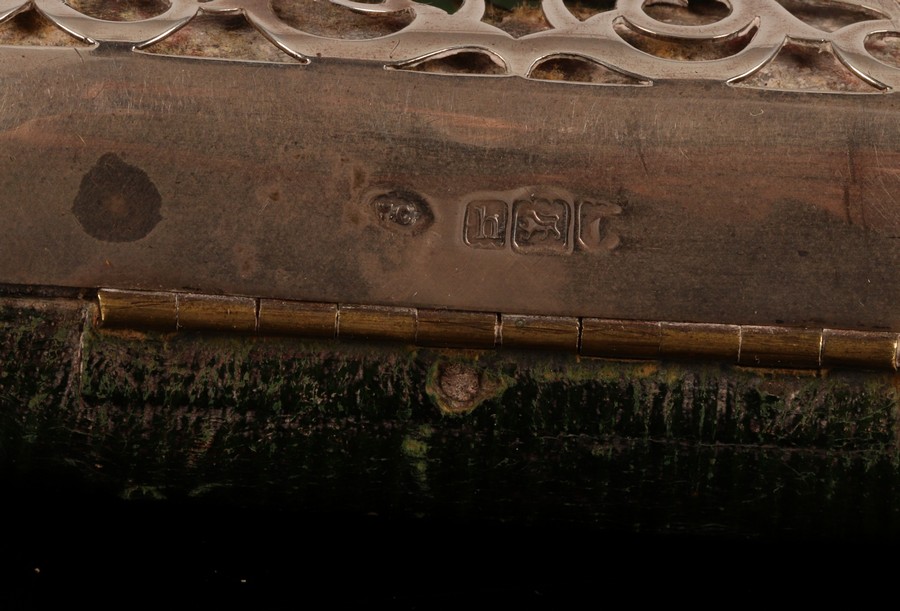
x=686 y=200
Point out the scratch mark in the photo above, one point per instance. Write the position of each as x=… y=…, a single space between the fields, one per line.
x=881 y=208
x=847 y=204
x=640 y=150
x=886 y=190
x=851 y=160
x=853 y=182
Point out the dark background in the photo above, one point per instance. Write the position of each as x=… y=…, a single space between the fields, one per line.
x=66 y=544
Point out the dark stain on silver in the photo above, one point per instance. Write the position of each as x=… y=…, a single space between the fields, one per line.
x=117 y=202
x=402 y=211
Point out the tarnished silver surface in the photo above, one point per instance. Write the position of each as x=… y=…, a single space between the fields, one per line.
x=337 y=181
x=745 y=39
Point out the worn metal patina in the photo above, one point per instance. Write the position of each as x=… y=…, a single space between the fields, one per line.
x=693 y=199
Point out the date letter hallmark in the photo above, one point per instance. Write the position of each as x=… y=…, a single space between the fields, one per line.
x=546 y=223
x=485 y=224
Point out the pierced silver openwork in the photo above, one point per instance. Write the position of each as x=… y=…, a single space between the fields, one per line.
x=631 y=42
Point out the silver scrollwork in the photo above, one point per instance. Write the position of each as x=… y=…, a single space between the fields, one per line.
x=754 y=32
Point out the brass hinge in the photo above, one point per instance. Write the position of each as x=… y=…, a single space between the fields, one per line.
x=746 y=345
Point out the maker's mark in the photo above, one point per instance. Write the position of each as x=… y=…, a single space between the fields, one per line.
x=402 y=212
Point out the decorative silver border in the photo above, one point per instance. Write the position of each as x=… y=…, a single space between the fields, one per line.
x=435 y=33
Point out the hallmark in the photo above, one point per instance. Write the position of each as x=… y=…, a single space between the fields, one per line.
x=541 y=222
x=541 y=226
x=594 y=226
x=402 y=212
x=485 y=224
